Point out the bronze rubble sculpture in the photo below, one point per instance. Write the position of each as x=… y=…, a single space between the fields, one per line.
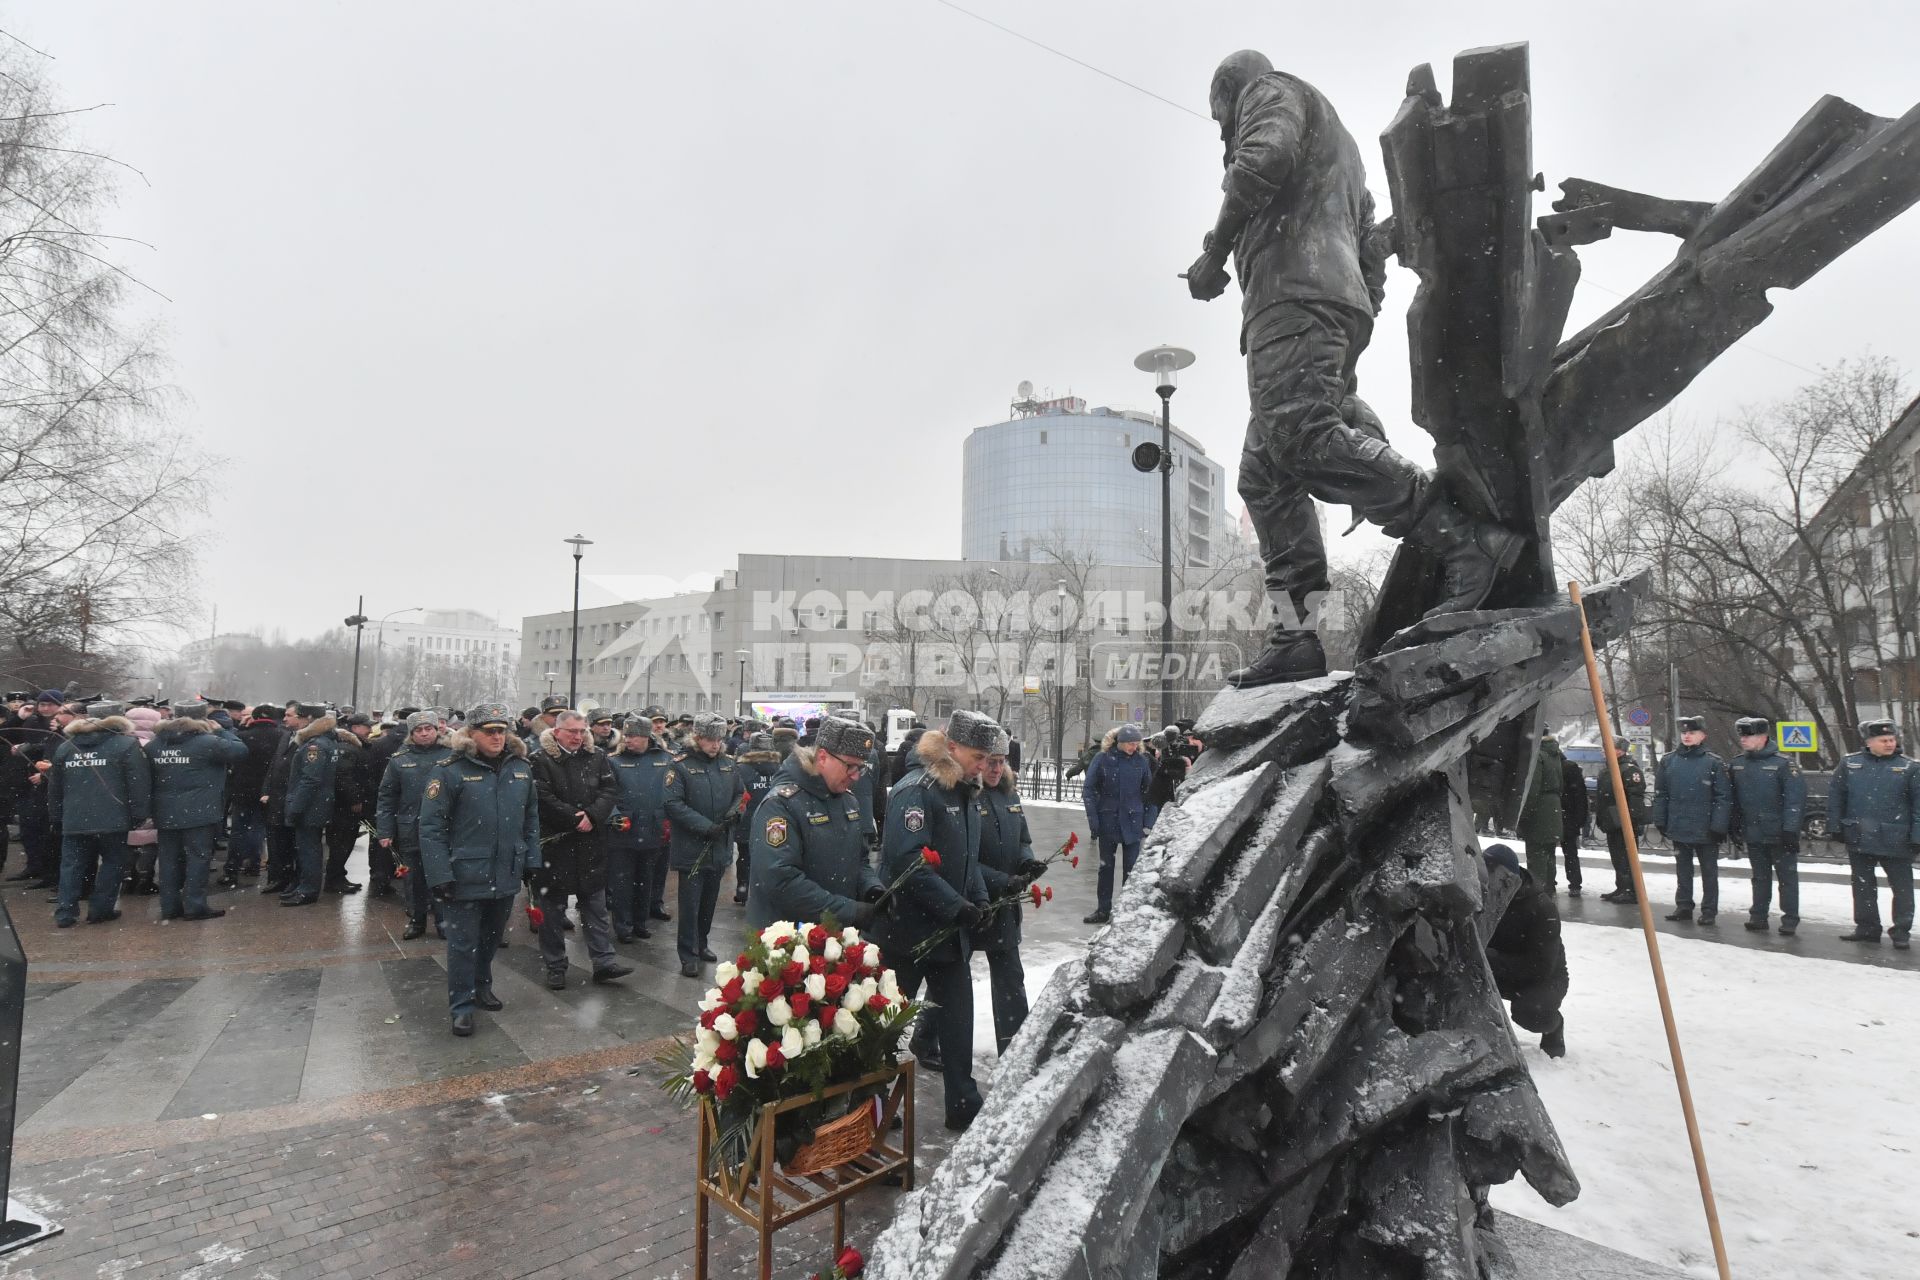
x=1286 y=1055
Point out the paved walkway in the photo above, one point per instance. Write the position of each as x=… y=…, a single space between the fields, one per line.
x=275 y=1094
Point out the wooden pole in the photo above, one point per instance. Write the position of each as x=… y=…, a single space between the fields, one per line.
x=1653 y=938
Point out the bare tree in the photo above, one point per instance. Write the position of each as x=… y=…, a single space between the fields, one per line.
x=95 y=490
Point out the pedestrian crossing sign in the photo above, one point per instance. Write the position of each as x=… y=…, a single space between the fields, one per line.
x=1798 y=735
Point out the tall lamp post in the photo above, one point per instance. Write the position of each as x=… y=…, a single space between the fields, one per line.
x=742 y=655
x=380 y=642
x=573 y=663
x=1060 y=697
x=359 y=624
x=1164 y=363
x=551 y=677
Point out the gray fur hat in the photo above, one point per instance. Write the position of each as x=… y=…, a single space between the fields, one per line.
x=710 y=724
x=636 y=726
x=418 y=718
x=490 y=713
x=971 y=729
x=1002 y=742
x=195 y=710
x=842 y=737
x=760 y=742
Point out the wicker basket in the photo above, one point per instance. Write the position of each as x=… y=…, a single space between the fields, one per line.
x=834 y=1143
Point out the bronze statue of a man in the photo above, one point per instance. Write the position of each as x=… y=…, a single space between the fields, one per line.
x=1298 y=221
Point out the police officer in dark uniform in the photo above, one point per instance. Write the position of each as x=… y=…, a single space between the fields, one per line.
x=809 y=852
x=479 y=834
x=759 y=763
x=1008 y=867
x=1769 y=798
x=1607 y=817
x=396 y=815
x=637 y=852
x=1874 y=802
x=937 y=805
x=704 y=792
x=1692 y=806
x=309 y=806
x=190 y=755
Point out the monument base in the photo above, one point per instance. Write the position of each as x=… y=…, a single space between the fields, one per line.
x=24 y=1226
x=1542 y=1251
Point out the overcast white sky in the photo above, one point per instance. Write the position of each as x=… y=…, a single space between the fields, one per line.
x=449 y=282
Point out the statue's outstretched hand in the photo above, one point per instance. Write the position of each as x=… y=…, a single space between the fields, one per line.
x=1207 y=278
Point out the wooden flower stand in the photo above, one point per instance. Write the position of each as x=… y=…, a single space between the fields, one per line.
x=766 y=1198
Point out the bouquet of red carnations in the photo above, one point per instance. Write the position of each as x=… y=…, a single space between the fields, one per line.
x=803 y=1007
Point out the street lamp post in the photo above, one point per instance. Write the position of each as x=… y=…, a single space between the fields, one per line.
x=742 y=654
x=573 y=663
x=551 y=677
x=1164 y=363
x=1060 y=698
x=359 y=624
x=380 y=642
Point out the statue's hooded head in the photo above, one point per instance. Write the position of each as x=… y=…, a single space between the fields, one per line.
x=1235 y=72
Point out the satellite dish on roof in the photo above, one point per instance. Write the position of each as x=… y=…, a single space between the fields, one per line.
x=1024 y=390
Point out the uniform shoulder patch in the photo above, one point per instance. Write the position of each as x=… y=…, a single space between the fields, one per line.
x=776 y=832
x=313 y=754
x=786 y=790
x=668 y=780
x=433 y=788
x=914 y=819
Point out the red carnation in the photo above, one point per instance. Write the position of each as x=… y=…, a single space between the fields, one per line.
x=724 y=1081
x=727 y=1051
x=800 y=1001
x=1049 y=894
x=795 y=970
x=535 y=916
x=928 y=856
x=1033 y=891
x=1074 y=861
x=702 y=1082
x=817 y=965
x=836 y=985
x=734 y=989
x=771 y=988
x=816 y=938
x=775 y=1058
x=746 y=1020
x=877 y=1002
x=850 y=1262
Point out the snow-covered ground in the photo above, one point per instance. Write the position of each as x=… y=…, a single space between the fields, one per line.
x=1806 y=1077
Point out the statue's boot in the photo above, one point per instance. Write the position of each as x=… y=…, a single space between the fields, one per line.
x=1289 y=655
x=1473 y=553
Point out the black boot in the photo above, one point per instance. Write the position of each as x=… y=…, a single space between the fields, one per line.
x=1861 y=935
x=1472 y=553
x=1681 y=913
x=1554 y=1042
x=414 y=929
x=1296 y=655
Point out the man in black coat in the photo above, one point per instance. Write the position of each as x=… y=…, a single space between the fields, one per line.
x=577 y=792
x=1573 y=819
x=1524 y=950
x=355 y=792
x=246 y=789
x=380 y=752
x=282 y=856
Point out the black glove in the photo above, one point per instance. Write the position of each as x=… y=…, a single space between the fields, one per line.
x=863 y=913
x=970 y=915
x=873 y=894
x=1031 y=869
x=443 y=892
x=1790 y=841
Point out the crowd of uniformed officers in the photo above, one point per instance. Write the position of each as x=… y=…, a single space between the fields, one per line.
x=1758 y=800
